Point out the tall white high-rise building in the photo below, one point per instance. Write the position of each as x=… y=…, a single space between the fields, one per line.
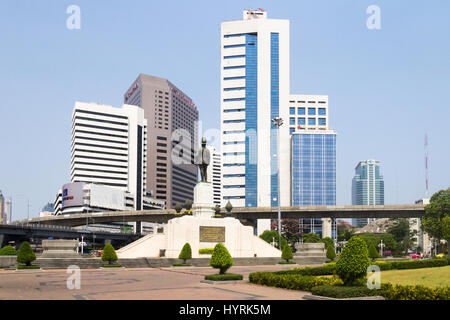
x=254 y=90
x=109 y=148
x=214 y=174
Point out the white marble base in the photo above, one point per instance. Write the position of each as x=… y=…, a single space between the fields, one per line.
x=203 y=200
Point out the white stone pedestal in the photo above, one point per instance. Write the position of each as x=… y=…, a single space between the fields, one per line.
x=203 y=200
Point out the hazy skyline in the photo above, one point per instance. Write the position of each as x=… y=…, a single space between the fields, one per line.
x=386 y=88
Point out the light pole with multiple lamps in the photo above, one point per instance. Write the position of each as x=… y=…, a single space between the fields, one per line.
x=278 y=122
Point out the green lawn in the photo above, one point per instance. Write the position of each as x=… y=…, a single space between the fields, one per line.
x=428 y=277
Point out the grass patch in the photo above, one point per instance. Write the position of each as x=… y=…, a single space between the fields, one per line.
x=224 y=277
x=112 y=266
x=180 y=264
x=341 y=292
x=428 y=277
x=287 y=262
x=34 y=266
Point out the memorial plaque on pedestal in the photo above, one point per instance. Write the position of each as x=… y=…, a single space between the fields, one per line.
x=212 y=234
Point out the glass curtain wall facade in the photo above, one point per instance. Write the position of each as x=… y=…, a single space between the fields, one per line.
x=313 y=167
x=367 y=187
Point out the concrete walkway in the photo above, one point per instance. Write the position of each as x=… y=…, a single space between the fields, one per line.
x=174 y=283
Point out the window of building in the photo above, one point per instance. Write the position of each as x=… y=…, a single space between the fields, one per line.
x=301 y=111
x=312 y=121
x=322 y=121
x=322 y=111
x=292 y=121
x=301 y=121
x=291 y=110
x=291 y=130
x=311 y=111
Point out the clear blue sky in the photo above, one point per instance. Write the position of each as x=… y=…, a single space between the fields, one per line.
x=386 y=88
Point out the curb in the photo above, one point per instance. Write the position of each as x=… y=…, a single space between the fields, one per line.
x=314 y=297
x=223 y=282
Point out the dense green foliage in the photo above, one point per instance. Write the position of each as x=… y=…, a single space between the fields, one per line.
x=206 y=251
x=270 y=235
x=329 y=242
x=290 y=281
x=327 y=269
x=373 y=253
x=344 y=291
x=286 y=254
x=21 y=266
x=435 y=212
x=397 y=292
x=8 y=251
x=224 y=277
x=112 y=266
x=25 y=254
x=331 y=254
x=369 y=238
x=221 y=258
x=109 y=254
x=353 y=261
x=217 y=209
x=311 y=238
x=186 y=252
x=388 y=241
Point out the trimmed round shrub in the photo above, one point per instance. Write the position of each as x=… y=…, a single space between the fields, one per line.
x=221 y=258
x=311 y=238
x=25 y=254
x=353 y=261
x=331 y=254
x=373 y=253
x=178 y=208
x=328 y=242
x=8 y=251
x=286 y=254
x=109 y=254
x=186 y=253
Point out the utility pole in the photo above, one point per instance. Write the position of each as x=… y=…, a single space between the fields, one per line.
x=278 y=122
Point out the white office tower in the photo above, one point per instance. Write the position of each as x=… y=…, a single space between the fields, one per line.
x=109 y=148
x=214 y=174
x=254 y=90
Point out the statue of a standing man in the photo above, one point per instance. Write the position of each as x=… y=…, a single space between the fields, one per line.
x=202 y=159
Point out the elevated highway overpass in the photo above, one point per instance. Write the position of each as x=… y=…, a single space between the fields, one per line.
x=248 y=215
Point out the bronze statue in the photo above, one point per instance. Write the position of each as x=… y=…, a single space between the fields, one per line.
x=202 y=159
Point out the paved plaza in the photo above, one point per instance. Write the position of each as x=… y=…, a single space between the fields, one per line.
x=174 y=283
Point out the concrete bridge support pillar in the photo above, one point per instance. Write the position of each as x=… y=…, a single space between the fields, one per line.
x=138 y=227
x=326 y=227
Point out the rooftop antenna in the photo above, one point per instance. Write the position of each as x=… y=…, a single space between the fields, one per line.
x=426 y=167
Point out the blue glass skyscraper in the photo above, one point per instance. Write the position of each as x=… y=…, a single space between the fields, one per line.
x=313 y=167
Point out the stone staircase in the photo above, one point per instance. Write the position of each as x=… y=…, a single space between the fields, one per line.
x=310 y=253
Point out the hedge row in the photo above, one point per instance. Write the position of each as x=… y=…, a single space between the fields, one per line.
x=330 y=268
x=290 y=281
x=224 y=277
x=206 y=251
x=327 y=269
x=398 y=292
x=344 y=292
x=414 y=264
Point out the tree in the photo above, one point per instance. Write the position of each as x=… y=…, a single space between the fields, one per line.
x=433 y=221
x=328 y=242
x=331 y=254
x=25 y=254
x=217 y=210
x=388 y=241
x=286 y=254
x=373 y=253
x=272 y=235
x=221 y=258
x=446 y=231
x=290 y=230
x=370 y=238
x=311 y=238
x=109 y=254
x=228 y=206
x=186 y=253
x=353 y=261
x=8 y=251
x=402 y=234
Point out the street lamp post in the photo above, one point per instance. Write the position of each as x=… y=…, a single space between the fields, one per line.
x=278 y=122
